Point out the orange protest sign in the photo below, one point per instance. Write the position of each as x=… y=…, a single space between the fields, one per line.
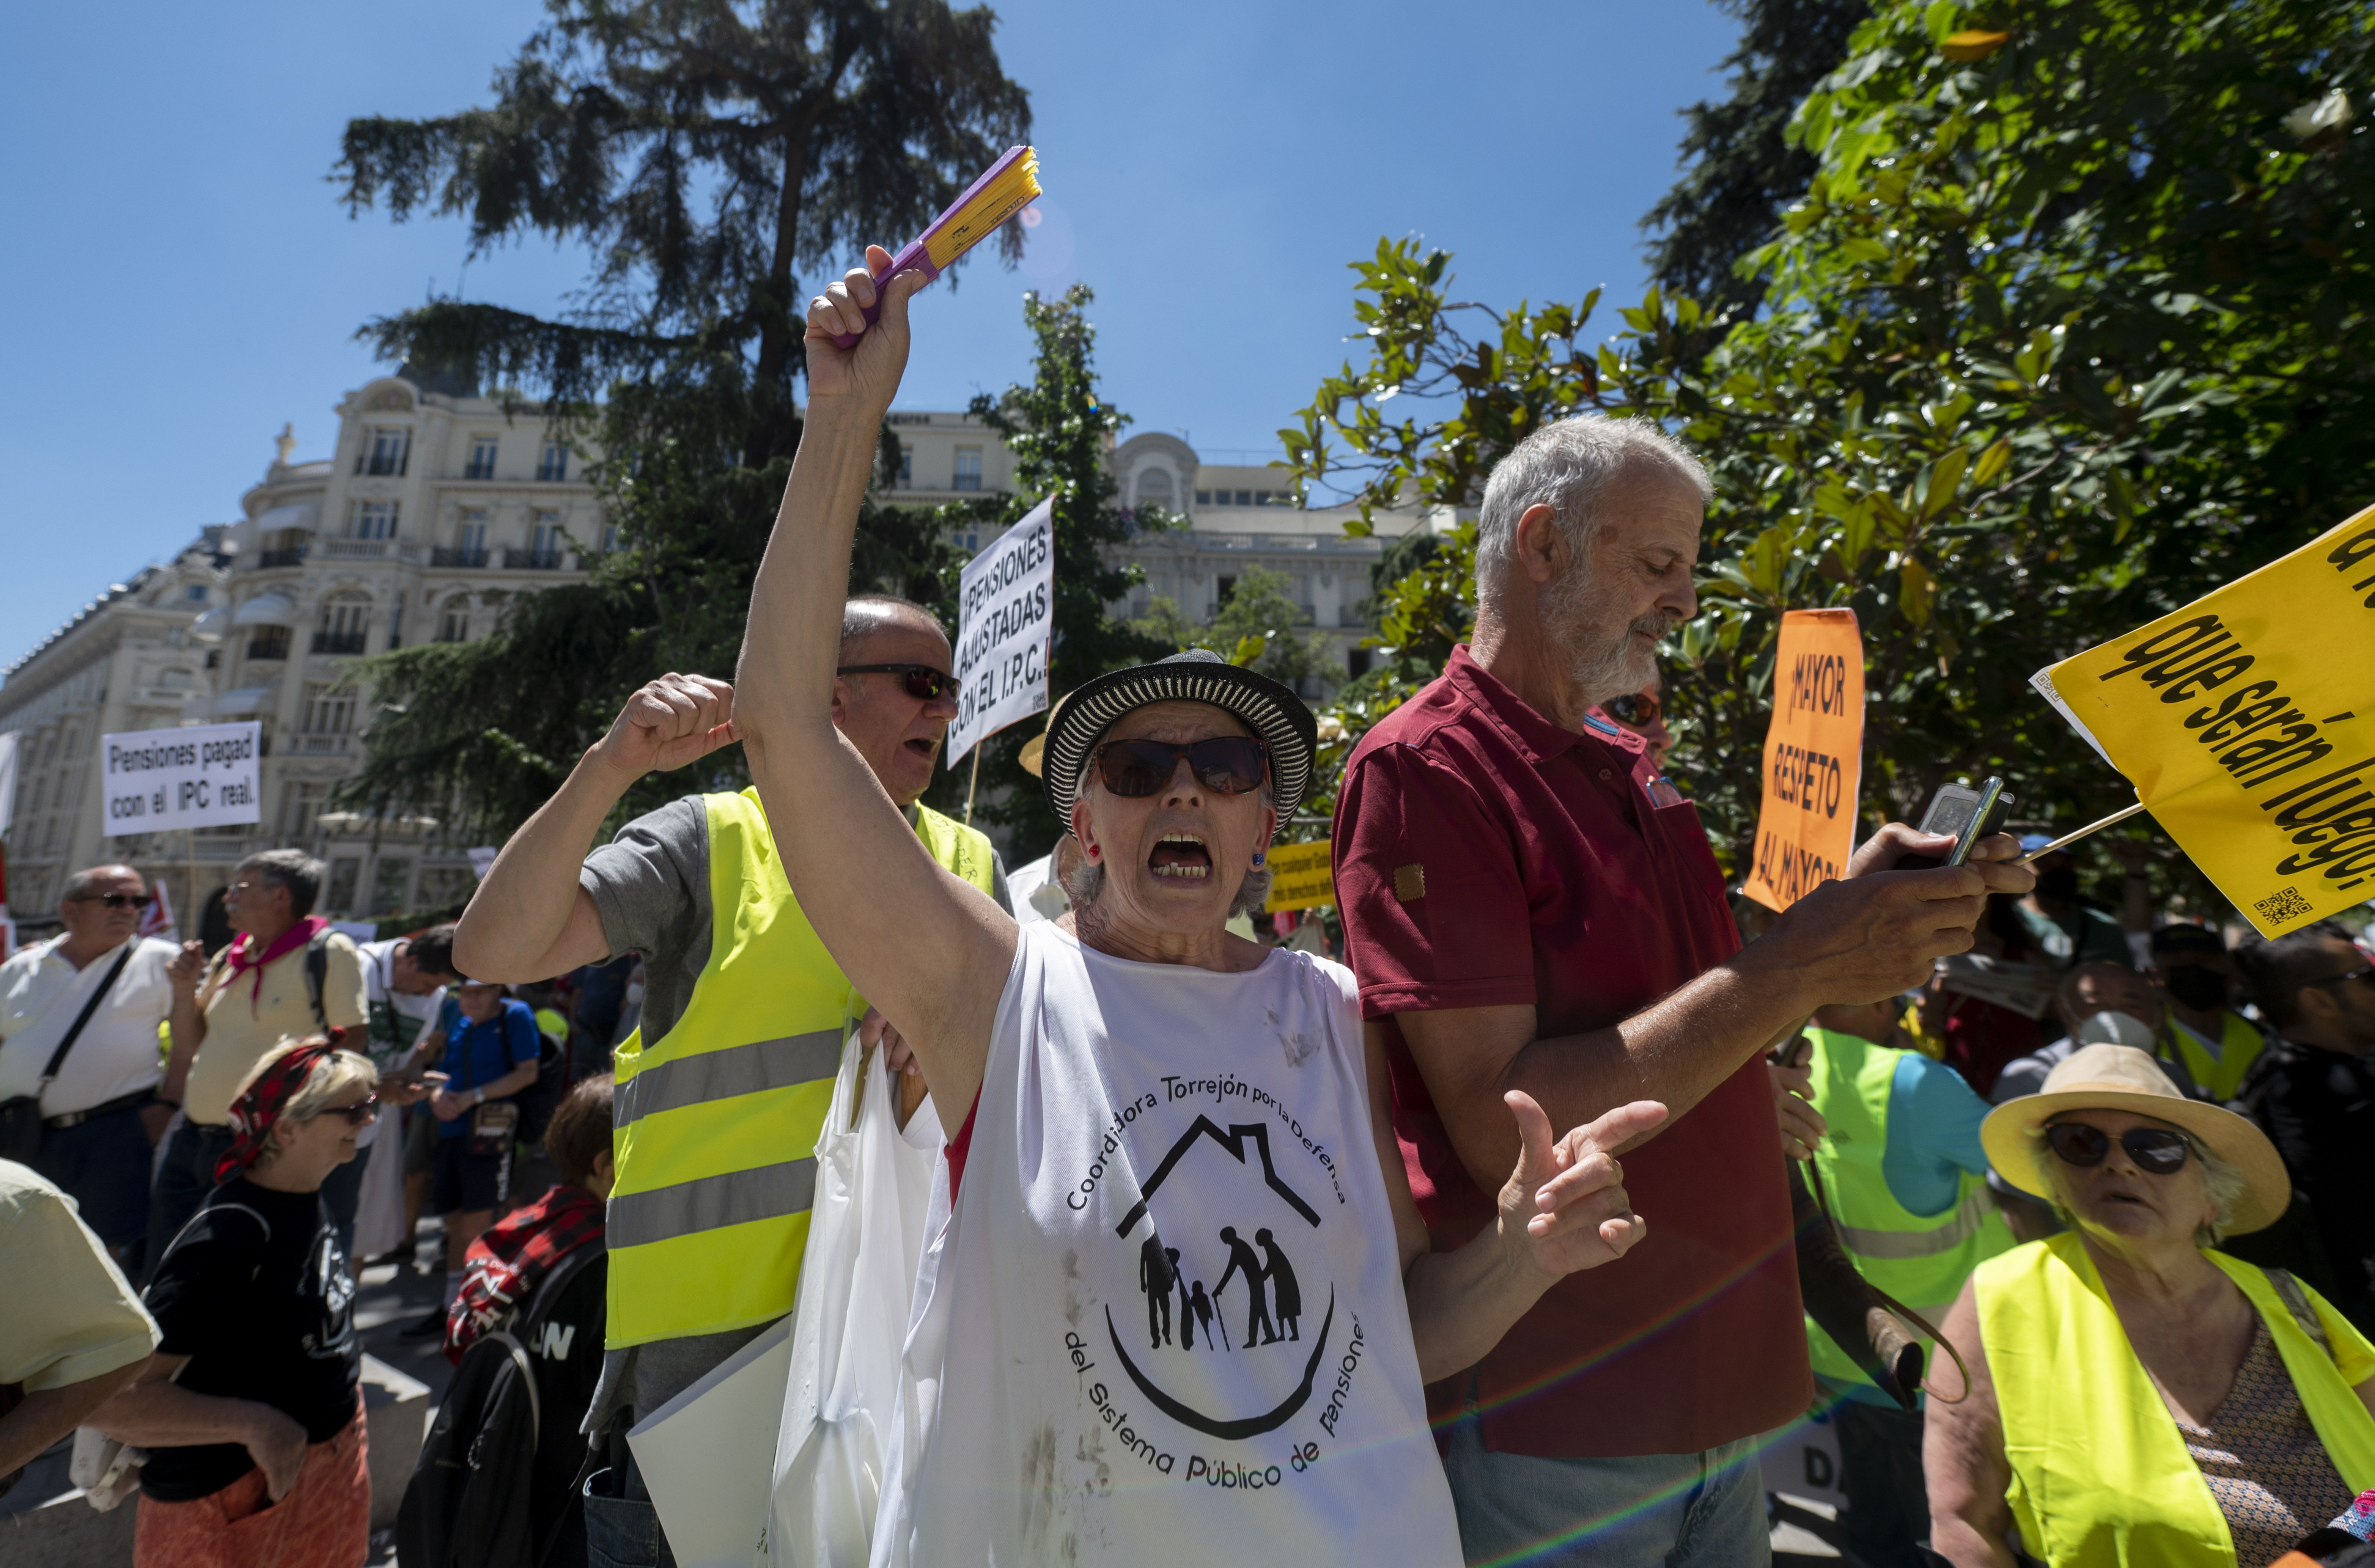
x=1814 y=751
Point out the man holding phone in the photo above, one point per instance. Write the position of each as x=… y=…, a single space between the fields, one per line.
x=490 y=1055
x=1525 y=911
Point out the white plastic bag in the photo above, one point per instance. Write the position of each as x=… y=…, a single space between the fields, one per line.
x=379 y=1205
x=866 y=1237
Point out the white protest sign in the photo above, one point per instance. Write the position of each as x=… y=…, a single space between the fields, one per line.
x=202 y=776
x=1004 y=628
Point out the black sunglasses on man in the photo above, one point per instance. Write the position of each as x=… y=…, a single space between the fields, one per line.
x=922 y=682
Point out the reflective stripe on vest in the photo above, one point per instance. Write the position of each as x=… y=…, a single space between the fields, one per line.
x=708 y=1219
x=2100 y=1477
x=1921 y=1260
x=2239 y=1045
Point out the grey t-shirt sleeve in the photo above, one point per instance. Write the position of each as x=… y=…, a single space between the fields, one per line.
x=650 y=885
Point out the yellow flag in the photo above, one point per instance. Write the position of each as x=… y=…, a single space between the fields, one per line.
x=1813 y=757
x=2247 y=723
x=1300 y=876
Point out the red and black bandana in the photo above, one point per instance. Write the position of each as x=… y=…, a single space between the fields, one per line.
x=253 y=1113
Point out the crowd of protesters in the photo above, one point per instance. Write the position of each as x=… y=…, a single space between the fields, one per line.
x=1517 y=1173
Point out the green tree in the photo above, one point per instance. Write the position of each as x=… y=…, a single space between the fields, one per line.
x=1255 y=627
x=1741 y=167
x=2069 y=327
x=1059 y=430
x=706 y=153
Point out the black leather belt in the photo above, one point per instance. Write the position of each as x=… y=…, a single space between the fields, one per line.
x=122 y=1102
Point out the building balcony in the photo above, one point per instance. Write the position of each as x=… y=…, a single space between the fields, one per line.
x=340 y=642
x=532 y=560
x=270 y=643
x=356 y=550
x=324 y=745
x=266 y=560
x=464 y=559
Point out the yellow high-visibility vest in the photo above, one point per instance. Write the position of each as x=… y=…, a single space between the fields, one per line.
x=1921 y=1260
x=2239 y=1045
x=717 y=1126
x=2100 y=1477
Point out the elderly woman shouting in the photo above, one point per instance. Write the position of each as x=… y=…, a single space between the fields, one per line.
x=2136 y=1397
x=1158 y=1121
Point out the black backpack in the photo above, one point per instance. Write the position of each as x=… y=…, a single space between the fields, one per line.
x=470 y=1503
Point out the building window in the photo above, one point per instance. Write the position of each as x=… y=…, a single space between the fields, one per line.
x=453 y=626
x=482 y=458
x=344 y=874
x=389 y=880
x=1203 y=497
x=545 y=540
x=385 y=453
x=1228 y=588
x=268 y=642
x=1154 y=488
x=610 y=537
x=554 y=464
x=906 y=465
x=195 y=592
x=374 y=520
x=328 y=709
x=968 y=474
x=346 y=620
x=1244 y=498
x=299 y=807
x=472 y=533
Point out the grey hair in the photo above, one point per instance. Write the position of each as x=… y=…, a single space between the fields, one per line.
x=80 y=883
x=2222 y=1181
x=1570 y=467
x=291 y=869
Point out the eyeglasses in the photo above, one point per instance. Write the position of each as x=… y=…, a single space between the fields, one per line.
x=118 y=900
x=359 y=1112
x=1228 y=764
x=2365 y=971
x=1634 y=708
x=2156 y=1150
x=922 y=682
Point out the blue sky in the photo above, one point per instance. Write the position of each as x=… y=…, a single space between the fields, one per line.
x=179 y=279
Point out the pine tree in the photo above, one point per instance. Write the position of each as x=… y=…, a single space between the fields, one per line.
x=715 y=157
x=1740 y=170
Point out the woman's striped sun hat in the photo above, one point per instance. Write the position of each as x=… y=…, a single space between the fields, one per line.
x=1276 y=716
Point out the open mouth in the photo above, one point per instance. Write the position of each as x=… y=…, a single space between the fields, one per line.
x=923 y=749
x=1180 y=854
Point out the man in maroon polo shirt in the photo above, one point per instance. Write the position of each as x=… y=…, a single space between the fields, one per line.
x=1528 y=905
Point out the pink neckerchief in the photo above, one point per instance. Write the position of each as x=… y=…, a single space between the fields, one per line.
x=241 y=955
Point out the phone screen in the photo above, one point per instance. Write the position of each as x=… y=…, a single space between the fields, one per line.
x=1978 y=821
x=1951 y=810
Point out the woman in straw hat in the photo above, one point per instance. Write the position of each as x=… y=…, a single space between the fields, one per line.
x=1135 y=1089
x=2134 y=1396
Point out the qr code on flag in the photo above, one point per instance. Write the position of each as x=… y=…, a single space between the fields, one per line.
x=2279 y=907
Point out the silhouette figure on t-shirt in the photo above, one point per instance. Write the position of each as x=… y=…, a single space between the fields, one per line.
x=1286 y=1296
x=1187 y=1308
x=1156 y=1275
x=1203 y=1306
x=1242 y=1259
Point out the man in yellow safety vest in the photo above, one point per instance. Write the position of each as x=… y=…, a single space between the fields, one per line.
x=2216 y=1043
x=1907 y=1183
x=723 y=1090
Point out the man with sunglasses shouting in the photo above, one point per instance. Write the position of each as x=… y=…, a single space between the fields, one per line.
x=98 y=1110
x=721 y=1091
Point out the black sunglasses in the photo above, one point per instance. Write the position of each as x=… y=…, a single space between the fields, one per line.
x=118 y=900
x=2156 y=1150
x=922 y=682
x=1634 y=708
x=359 y=1112
x=1228 y=764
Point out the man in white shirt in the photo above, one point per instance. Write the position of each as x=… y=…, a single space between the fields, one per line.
x=403 y=995
x=99 y=1114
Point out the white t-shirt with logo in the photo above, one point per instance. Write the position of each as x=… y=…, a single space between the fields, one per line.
x=1165 y=1323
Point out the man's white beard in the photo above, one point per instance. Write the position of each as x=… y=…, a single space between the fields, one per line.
x=1603 y=661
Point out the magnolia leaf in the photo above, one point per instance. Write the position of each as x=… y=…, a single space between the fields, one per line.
x=1919 y=589
x=1992 y=462
x=1972 y=44
x=1946 y=477
x=1248 y=649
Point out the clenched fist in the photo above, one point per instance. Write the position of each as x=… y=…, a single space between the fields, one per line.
x=668 y=722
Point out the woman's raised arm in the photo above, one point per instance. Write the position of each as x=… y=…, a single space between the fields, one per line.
x=922 y=945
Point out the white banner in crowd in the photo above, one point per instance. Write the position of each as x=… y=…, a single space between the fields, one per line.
x=1004 y=630
x=200 y=777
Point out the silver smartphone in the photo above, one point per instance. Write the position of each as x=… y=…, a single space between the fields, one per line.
x=1970 y=814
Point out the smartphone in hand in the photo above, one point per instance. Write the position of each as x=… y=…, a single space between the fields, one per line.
x=1970 y=814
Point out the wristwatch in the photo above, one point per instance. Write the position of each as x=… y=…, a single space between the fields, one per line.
x=477 y=1097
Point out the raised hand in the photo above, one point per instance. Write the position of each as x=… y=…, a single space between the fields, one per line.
x=669 y=722
x=870 y=370
x=1564 y=1207
x=186 y=968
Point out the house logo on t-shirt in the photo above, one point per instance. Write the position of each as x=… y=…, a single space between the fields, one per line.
x=1217 y=1234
